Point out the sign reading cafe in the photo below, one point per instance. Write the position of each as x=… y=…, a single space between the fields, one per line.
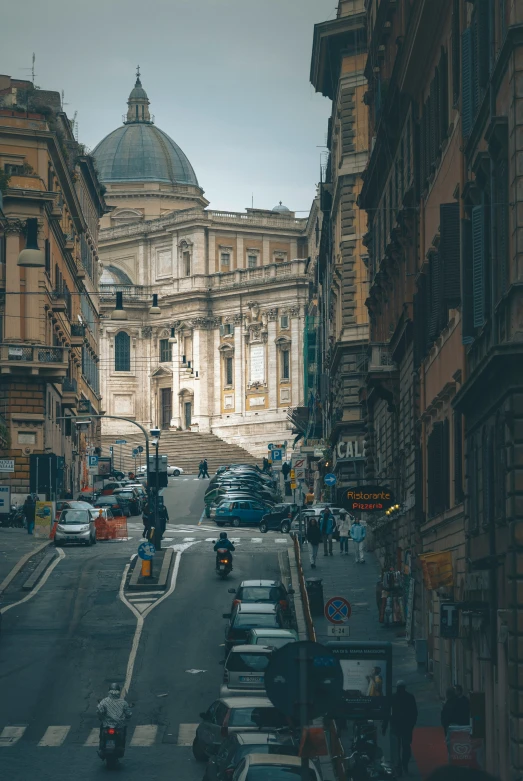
x=350 y=450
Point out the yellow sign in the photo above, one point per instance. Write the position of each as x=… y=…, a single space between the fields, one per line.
x=293 y=474
x=294 y=486
x=437 y=569
x=44 y=516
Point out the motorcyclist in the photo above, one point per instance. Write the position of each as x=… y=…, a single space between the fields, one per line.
x=114 y=711
x=224 y=542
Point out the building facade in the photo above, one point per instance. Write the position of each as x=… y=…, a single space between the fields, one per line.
x=48 y=315
x=224 y=352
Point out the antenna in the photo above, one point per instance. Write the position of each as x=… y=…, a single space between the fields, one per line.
x=252 y=201
x=63 y=100
x=74 y=124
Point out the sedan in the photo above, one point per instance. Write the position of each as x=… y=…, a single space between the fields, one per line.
x=279 y=518
x=234 y=714
x=174 y=471
x=274 y=767
x=266 y=592
x=250 y=616
x=119 y=508
x=232 y=496
x=75 y=526
x=222 y=765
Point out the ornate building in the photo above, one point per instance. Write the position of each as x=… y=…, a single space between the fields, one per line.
x=224 y=350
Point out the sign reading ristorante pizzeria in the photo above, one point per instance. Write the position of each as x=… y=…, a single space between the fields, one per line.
x=367 y=498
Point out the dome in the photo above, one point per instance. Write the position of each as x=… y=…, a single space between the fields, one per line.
x=140 y=152
x=280 y=208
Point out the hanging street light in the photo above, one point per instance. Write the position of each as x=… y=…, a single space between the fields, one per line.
x=119 y=312
x=155 y=309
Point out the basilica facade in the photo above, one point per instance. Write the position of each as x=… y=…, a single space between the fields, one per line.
x=210 y=337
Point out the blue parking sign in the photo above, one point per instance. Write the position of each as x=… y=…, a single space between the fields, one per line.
x=276 y=455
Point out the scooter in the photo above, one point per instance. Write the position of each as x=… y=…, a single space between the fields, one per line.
x=112 y=746
x=15 y=519
x=223 y=562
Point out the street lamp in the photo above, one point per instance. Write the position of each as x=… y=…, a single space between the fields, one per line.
x=154 y=309
x=119 y=312
x=155 y=434
x=172 y=338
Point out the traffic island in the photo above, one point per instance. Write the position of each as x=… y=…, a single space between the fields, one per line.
x=161 y=567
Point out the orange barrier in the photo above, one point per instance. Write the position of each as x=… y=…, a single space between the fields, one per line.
x=53 y=530
x=113 y=529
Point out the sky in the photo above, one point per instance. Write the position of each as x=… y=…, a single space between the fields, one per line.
x=228 y=80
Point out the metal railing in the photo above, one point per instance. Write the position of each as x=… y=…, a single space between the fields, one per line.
x=32 y=353
x=69 y=385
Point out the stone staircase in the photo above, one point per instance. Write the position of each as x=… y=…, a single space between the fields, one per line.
x=182 y=448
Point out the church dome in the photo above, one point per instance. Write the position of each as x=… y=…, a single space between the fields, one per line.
x=280 y=208
x=139 y=151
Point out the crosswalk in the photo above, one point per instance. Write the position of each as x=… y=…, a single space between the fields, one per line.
x=54 y=736
x=200 y=534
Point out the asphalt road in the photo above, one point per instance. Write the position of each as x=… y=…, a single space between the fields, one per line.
x=61 y=649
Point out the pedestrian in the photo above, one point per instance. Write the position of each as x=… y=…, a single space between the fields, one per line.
x=403 y=718
x=285 y=470
x=309 y=497
x=462 y=707
x=343 y=529
x=314 y=537
x=358 y=534
x=29 y=510
x=200 y=469
x=265 y=466
x=164 y=517
x=327 y=527
x=205 y=468
x=148 y=519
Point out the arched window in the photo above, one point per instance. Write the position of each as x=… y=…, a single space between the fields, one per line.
x=122 y=352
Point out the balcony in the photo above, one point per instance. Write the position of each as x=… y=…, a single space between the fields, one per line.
x=381 y=359
x=59 y=303
x=77 y=334
x=69 y=392
x=21 y=359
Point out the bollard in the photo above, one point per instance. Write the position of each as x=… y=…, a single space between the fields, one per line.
x=146 y=569
x=314 y=589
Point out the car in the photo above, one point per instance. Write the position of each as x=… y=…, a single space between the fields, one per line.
x=241 y=485
x=227 y=467
x=274 y=767
x=274 y=638
x=75 y=526
x=101 y=512
x=111 y=486
x=251 y=616
x=174 y=471
x=140 y=490
x=70 y=504
x=210 y=509
x=279 y=518
x=239 y=472
x=131 y=498
x=234 y=714
x=240 y=513
x=221 y=765
x=117 y=506
x=244 y=670
x=266 y=592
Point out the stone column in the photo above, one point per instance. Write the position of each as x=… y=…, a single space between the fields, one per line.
x=240 y=255
x=239 y=373
x=266 y=258
x=175 y=420
x=296 y=358
x=12 y=331
x=197 y=401
x=272 y=365
x=217 y=384
x=34 y=317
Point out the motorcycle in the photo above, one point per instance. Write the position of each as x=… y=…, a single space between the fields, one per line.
x=112 y=746
x=223 y=562
x=366 y=762
x=14 y=519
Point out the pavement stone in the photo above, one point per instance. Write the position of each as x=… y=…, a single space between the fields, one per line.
x=14 y=544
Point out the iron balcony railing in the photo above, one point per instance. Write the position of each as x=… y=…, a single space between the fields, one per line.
x=32 y=353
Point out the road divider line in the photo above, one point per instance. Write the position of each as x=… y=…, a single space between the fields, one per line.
x=11 y=735
x=43 y=581
x=144 y=735
x=54 y=736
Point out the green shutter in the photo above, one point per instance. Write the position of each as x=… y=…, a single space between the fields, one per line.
x=481 y=11
x=502 y=226
x=435 y=322
x=443 y=95
x=449 y=247
x=455 y=52
x=478 y=265
x=467 y=297
x=467 y=101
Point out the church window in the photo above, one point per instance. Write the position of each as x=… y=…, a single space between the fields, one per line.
x=252 y=261
x=122 y=352
x=136 y=112
x=285 y=365
x=226 y=259
x=187 y=263
x=165 y=351
x=228 y=371
x=284 y=321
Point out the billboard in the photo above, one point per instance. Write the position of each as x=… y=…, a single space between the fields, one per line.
x=104 y=466
x=367 y=678
x=367 y=499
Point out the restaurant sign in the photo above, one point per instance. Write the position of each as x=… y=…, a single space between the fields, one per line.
x=367 y=498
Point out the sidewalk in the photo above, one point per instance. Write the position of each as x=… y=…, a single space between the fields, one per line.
x=14 y=545
x=341 y=576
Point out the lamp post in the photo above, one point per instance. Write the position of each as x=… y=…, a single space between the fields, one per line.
x=157 y=530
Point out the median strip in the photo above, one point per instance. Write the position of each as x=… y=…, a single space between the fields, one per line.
x=33 y=579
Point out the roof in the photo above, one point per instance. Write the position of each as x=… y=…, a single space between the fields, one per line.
x=247 y=702
x=274 y=759
x=268 y=583
x=141 y=152
x=256 y=607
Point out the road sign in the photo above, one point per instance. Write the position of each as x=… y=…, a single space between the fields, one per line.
x=7 y=465
x=146 y=551
x=277 y=454
x=298 y=463
x=140 y=449
x=270 y=447
x=330 y=479
x=343 y=630
x=135 y=451
x=92 y=463
x=294 y=486
x=323 y=676
x=120 y=441
x=299 y=474
x=337 y=610
x=5 y=499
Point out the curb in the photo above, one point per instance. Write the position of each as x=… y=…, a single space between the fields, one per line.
x=162 y=579
x=20 y=563
x=33 y=579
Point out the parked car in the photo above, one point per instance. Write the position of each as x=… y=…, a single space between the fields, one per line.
x=222 y=765
x=266 y=592
x=117 y=506
x=140 y=490
x=240 y=513
x=243 y=485
x=174 y=471
x=279 y=518
x=75 y=526
x=251 y=616
x=234 y=714
x=70 y=504
x=273 y=767
x=273 y=638
x=111 y=486
x=130 y=497
x=210 y=509
x=244 y=670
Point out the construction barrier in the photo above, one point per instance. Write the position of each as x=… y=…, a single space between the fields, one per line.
x=111 y=529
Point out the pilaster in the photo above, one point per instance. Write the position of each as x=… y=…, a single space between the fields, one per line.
x=12 y=332
x=272 y=366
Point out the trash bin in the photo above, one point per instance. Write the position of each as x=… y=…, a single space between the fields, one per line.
x=314 y=589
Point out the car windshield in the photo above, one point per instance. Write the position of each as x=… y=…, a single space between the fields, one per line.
x=277 y=773
x=244 y=663
x=125 y=495
x=259 y=594
x=75 y=516
x=274 y=642
x=107 y=500
x=252 y=621
x=257 y=717
x=266 y=748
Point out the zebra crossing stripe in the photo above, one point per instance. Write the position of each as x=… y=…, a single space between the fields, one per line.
x=54 y=736
x=256 y=539
x=186 y=733
x=11 y=735
x=94 y=737
x=144 y=735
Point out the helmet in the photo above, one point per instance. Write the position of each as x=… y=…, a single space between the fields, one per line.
x=223 y=535
x=115 y=687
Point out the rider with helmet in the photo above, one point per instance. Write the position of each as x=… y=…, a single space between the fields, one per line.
x=224 y=542
x=113 y=710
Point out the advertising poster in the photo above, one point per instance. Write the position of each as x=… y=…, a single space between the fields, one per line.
x=464 y=750
x=367 y=678
x=104 y=466
x=44 y=515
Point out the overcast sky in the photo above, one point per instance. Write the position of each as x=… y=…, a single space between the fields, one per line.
x=228 y=80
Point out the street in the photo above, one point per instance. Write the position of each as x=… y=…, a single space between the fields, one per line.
x=60 y=650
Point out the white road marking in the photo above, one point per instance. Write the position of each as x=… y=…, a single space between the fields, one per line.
x=194 y=672
x=167 y=539
x=10 y=735
x=54 y=736
x=42 y=582
x=256 y=539
x=235 y=540
x=210 y=539
x=144 y=735
x=94 y=737
x=186 y=733
x=281 y=539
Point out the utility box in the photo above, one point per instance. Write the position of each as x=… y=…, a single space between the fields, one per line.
x=314 y=588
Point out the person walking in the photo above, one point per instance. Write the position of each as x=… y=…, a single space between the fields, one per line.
x=343 y=529
x=309 y=497
x=327 y=527
x=358 y=534
x=314 y=537
x=285 y=470
x=205 y=468
x=265 y=466
x=29 y=510
x=200 y=469
x=403 y=718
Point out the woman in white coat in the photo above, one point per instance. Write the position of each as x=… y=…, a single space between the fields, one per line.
x=343 y=529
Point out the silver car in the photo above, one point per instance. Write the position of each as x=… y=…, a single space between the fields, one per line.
x=76 y=526
x=244 y=670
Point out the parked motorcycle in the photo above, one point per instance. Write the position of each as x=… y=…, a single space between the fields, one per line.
x=365 y=761
x=112 y=746
x=223 y=562
x=14 y=519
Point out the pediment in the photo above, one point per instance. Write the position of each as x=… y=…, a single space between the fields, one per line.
x=162 y=371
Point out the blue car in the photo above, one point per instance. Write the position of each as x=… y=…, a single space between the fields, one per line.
x=240 y=513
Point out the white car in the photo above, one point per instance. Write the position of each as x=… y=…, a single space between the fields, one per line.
x=273 y=766
x=172 y=471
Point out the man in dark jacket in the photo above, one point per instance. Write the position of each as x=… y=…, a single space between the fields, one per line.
x=205 y=466
x=403 y=718
x=314 y=538
x=448 y=712
x=462 y=707
x=29 y=513
x=327 y=528
x=285 y=470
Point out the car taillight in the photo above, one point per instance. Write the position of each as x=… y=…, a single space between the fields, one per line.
x=111 y=731
x=224 y=561
x=224 y=730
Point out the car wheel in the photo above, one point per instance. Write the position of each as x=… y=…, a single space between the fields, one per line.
x=176 y=473
x=236 y=522
x=220 y=523
x=197 y=750
x=285 y=527
x=94 y=540
x=264 y=528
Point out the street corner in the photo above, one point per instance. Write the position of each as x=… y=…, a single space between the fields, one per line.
x=28 y=575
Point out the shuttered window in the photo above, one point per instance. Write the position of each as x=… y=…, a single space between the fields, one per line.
x=438 y=469
x=467 y=288
x=458 y=458
x=165 y=351
x=472 y=484
x=501 y=227
x=47 y=253
x=482 y=25
x=449 y=248
x=478 y=264
x=420 y=321
x=436 y=319
x=455 y=52
x=467 y=100
x=443 y=92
